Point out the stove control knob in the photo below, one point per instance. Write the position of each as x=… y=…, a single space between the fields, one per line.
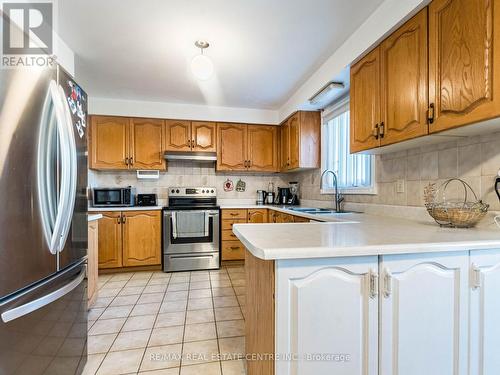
x=212 y=191
x=172 y=191
x=177 y=191
x=203 y=191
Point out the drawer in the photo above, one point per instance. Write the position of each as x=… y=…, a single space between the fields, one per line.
x=300 y=219
x=233 y=250
x=228 y=235
x=234 y=214
x=227 y=224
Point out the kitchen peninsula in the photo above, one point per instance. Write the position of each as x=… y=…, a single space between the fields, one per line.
x=377 y=286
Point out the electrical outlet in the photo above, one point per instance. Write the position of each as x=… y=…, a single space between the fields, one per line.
x=400 y=186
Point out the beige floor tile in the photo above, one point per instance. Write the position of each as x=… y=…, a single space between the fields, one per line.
x=222 y=292
x=141 y=275
x=199 y=303
x=135 y=323
x=156 y=288
x=100 y=343
x=109 y=292
x=158 y=281
x=240 y=290
x=124 y=300
x=145 y=309
x=161 y=275
x=131 y=290
x=116 y=312
x=221 y=283
x=199 y=332
x=212 y=368
x=166 y=336
x=123 y=362
x=171 y=306
x=242 y=300
x=161 y=357
x=200 y=293
x=137 y=282
x=232 y=348
x=200 y=316
x=106 y=326
x=196 y=278
x=228 y=313
x=176 y=296
x=225 y=301
x=93 y=363
x=233 y=367
x=131 y=340
x=199 y=285
x=114 y=284
x=177 y=287
x=199 y=352
x=95 y=313
x=102 y=302
x=165 y=371
x=150 y=298
x=175 y=279
x=121 y=276
x=219 y=276
x=231 y=328
x=170 y=319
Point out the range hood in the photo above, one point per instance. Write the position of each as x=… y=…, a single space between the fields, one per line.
x=196 y=156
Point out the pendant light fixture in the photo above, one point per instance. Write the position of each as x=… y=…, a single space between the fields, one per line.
x=201 y=65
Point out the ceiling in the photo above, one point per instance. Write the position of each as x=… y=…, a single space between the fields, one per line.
x=262 y=50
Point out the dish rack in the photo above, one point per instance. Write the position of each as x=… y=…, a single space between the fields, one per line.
x=454 y=213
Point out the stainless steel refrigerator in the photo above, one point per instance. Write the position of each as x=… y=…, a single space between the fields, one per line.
x=43 y=222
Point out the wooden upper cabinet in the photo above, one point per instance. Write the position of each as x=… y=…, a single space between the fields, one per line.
x=110 y=240
x=203 y=136
x=263 y=148
x=464 y=55
x=404 y=82
x=177 y=135
x=365 y=102
x=231 y=147
x=294 y=141
x=146 y=141
x=109 y=142
x=257 y=215
x=141 y=238
x=285 y=146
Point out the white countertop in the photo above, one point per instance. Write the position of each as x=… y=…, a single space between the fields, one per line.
x=358 y=235
x=93 y=217
x=134 y=208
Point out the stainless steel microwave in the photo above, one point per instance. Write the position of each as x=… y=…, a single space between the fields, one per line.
x=113 y=197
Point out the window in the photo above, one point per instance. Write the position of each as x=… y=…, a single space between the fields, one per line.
x=354 y=172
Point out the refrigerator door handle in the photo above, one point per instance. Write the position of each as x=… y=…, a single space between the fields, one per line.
x=72 y=164
x=38 y=303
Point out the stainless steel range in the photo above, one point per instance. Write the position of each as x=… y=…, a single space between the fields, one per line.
x=191 y=235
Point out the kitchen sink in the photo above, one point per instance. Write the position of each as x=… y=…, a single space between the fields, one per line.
x=322 y=211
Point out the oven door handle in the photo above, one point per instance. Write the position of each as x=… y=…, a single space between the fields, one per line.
x=174 y=225
x=191 y=256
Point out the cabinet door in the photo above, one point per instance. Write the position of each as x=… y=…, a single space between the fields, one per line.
x=424 y=314
x=365 y=102
x=142 y=238
x=404 y=81
x=146 y=141
x=110 y=240
x=177 y=135
x=203 y=136
x=232 y=147
x=92 y=261
x=263 y=148
x=328 y=306
x=109 y=142
x=257 y=215
x=464 y=52
x=294 y=141
x=285 y=146
x=485 y=310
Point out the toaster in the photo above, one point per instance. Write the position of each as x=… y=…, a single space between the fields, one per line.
x=146 y=200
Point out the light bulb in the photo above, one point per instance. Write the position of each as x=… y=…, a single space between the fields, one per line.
x=202 y=67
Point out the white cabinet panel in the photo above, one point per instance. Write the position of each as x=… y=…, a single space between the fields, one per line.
x=424 y=314
x=329 y=308
x=485 y=312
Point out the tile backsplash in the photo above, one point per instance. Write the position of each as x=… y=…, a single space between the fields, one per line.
x=476 y=160
x=188 y=173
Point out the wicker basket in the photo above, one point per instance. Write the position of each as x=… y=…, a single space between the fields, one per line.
x=457 y=214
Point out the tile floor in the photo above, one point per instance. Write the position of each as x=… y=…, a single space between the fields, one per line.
x=184 y=323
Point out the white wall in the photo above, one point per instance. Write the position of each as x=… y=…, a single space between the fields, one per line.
x=386 y=18
x=180 y=111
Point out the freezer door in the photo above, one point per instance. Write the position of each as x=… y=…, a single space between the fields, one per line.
x=28 y=128
x=44 y=330
x=74 y=100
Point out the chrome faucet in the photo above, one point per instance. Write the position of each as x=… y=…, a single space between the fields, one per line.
x=338 y=197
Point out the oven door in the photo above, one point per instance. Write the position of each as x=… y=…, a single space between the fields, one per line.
x=190 y=231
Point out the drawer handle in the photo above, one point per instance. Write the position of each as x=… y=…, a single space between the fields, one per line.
x=233 y=214
x=234 y=247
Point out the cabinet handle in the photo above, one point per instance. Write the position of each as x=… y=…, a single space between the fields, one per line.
x=249 y=164
x=119 y=219
x=382 y=129
x=373 y=279
x=131 y=161
x=124 y=219
x=375 y=131
x=430 y=113
x=192 y=143
x=126 y=161
x=233 y=214
x=387 y=283
x=475 y=277
x=234 y=247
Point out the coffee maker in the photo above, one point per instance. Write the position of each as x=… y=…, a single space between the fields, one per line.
x=293 y=199
x=283 y=196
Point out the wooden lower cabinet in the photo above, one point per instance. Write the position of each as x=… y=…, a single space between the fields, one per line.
x=141 y=238
x=92 y=261
x=129 y=239
x=257 y=215
x=232 y=250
